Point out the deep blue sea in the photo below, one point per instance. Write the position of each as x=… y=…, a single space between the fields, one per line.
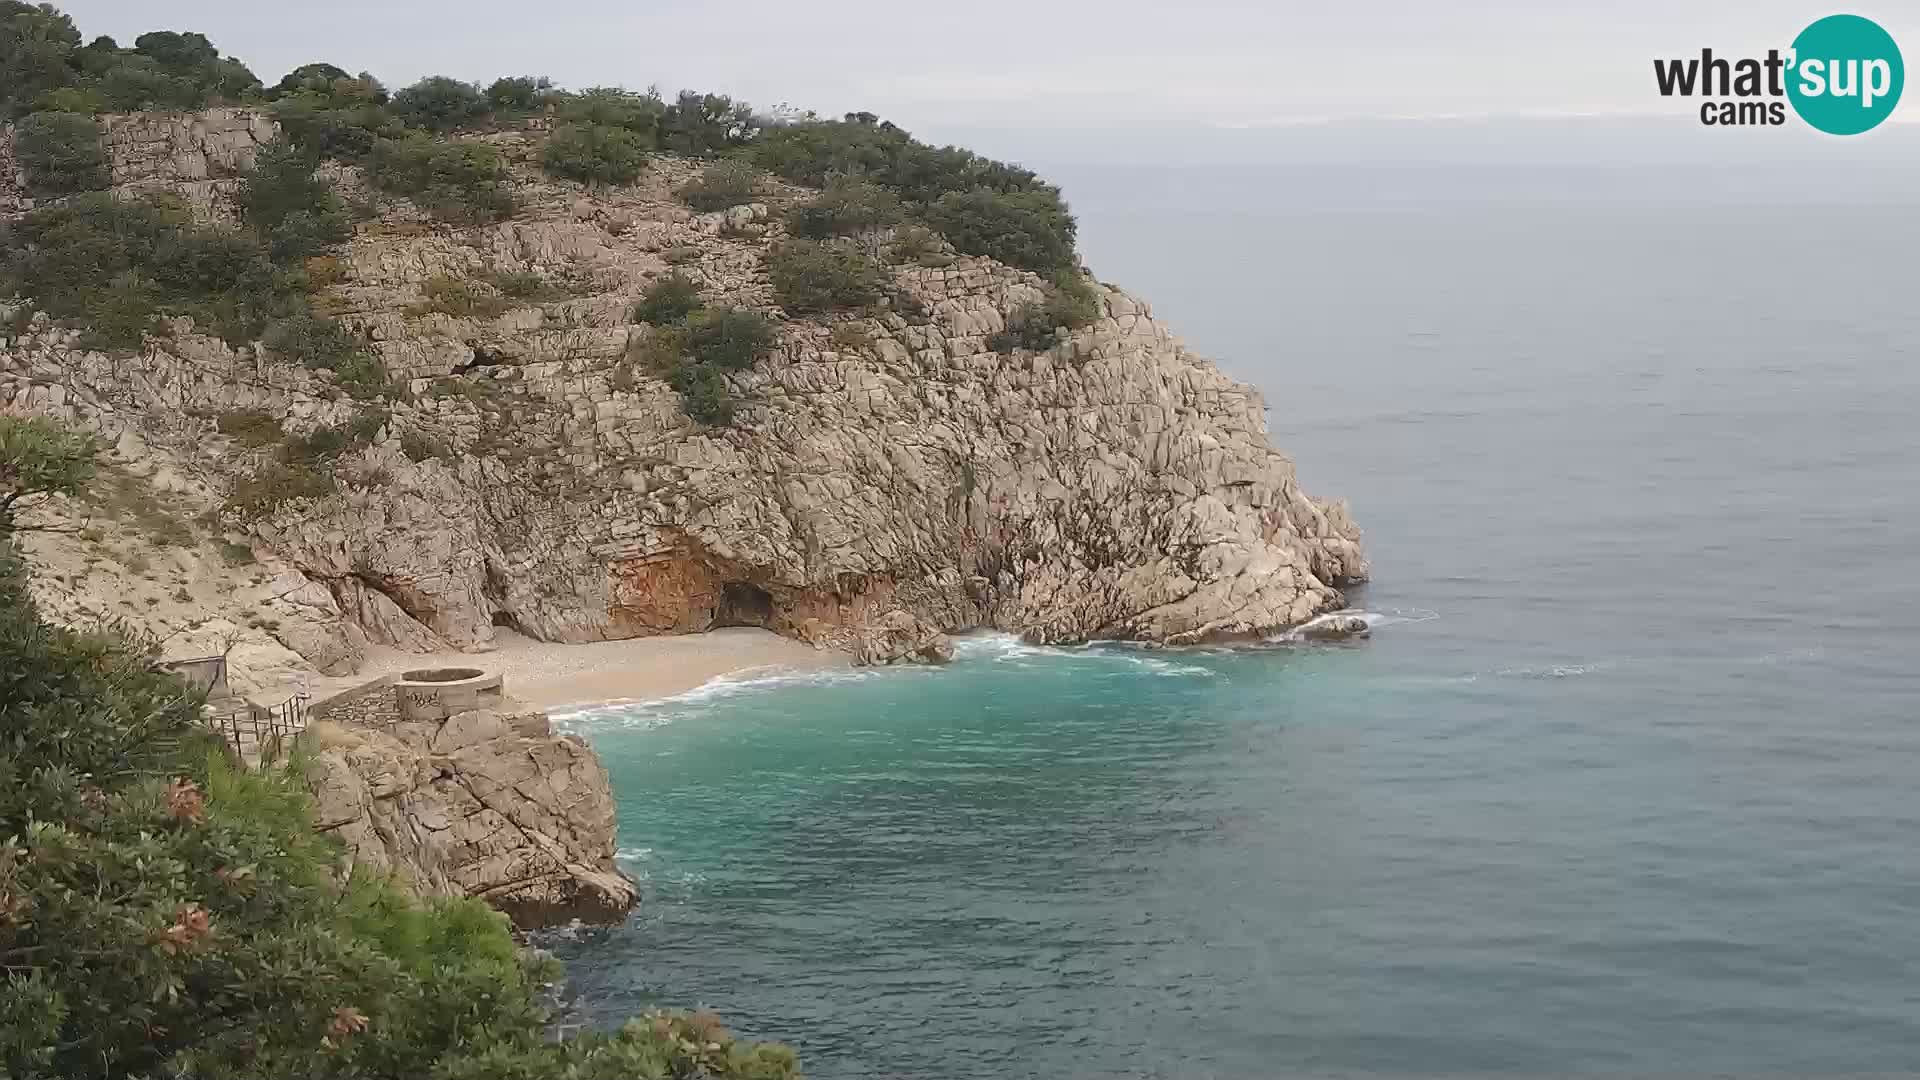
x=1627 y=779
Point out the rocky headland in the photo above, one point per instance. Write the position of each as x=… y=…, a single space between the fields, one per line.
x=889 y=477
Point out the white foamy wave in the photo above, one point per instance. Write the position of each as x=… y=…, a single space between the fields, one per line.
x=1551 y=671
x=1009 y=649
x=655 y=712
x=1393 y=616
x=1373 y=619
x=986 y=646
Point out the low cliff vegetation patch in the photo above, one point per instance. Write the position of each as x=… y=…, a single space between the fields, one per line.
x=61 y=154
x=815 y=276
x=114 y=266
x=694 y=345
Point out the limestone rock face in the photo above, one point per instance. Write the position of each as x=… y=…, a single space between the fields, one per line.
x=483 y=805
x=901 y=636
x=890 y=477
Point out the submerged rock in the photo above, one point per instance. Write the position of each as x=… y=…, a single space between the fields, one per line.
x=901 y=636
x=1335 y=627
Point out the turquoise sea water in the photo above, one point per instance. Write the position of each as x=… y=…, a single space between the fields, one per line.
x=1624 y=782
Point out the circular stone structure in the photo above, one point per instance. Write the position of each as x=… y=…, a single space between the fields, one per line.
x=437 y=693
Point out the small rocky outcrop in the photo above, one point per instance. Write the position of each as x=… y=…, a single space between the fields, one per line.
x=1336 y=626
x=901 y=637
x=481 y=804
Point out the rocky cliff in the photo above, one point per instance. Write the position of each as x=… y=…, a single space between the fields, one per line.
x=888 y=478
x=482 y=804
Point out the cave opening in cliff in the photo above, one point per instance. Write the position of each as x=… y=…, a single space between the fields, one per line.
x=742 y=604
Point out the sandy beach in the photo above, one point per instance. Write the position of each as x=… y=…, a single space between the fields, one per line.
x=548 y=675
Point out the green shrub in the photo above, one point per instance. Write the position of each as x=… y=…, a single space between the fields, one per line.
x=918 y=244
x=322 y=344
x=120 y=317
x=1028 y=229
x=455 y=181
x=114 y=266
x=656 y=1044
x=703 y=393
x=293 y=211
x=365 y=427
x=668 y=301
x=250 y=427
x=526 y=285
x=460 y=298
x=814 y=152
x=729 y=338
x=236 y=554
x=361 y=375
x=419 y=446
x=851 y=337
x=984 y=207
x=1070 y=304
x=439 y=103
x=274 y=483
x=702 y=125
x=661 y=351
x=595 y=154
x=62 y=153
x=43 y=66
x=342 y=118
x=606 y=106
x=316 y=447
x=317 y=77
x=520 y=95
x=311 y=341
x=37 y=49
x=845 y=208
x=815 y=276
x=721 y=185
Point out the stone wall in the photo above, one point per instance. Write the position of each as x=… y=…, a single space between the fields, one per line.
x=13 y=184
x=370 y=704
x=200 y=157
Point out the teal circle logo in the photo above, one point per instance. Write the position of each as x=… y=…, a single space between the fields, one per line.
x=1846 y=75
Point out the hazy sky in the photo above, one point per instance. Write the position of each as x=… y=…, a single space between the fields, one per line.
x=1030 y=64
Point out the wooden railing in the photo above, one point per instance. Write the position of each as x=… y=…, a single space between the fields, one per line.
x=259 y=733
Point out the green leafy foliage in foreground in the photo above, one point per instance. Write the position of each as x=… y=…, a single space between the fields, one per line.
x=166 y=913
